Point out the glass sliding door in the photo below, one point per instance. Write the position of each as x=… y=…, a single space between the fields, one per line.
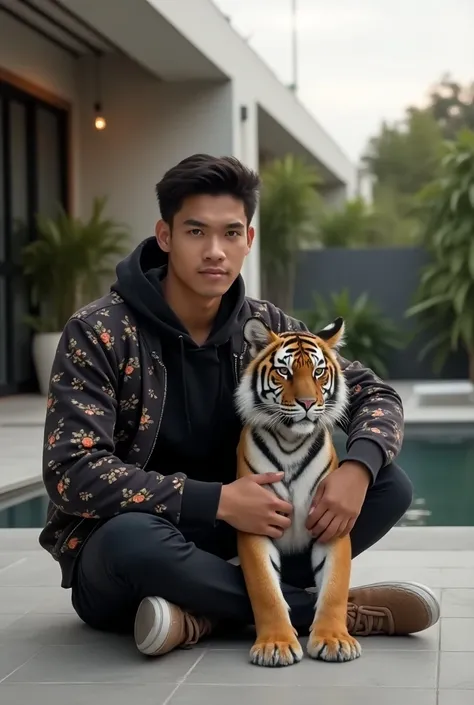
x=33 y=178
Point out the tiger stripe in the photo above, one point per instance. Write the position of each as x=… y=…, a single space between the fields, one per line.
x=290 y=396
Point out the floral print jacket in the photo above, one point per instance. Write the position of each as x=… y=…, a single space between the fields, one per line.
x=106 y=398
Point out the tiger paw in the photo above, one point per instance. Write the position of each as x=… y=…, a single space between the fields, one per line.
x=276 y=651
x=338 y=646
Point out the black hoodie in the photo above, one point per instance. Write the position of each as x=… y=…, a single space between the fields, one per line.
x=199 y=430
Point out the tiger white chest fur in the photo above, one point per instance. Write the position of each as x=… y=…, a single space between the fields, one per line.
x=305 y=461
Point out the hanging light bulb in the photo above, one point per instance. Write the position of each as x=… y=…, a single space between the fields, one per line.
x=99 y=122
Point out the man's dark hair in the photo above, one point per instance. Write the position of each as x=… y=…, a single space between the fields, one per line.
x=204 y=174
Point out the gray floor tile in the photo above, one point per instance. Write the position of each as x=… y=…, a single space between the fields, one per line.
x=117 y=662
x=7 y=560
x=55 y=600
x=20 y=540
x=458 y=602
x=413 y=669
x=456 y=671
x=273 y=695
x=432 y=577
x=13 y=656
x=141 y=694
x=425 y=559
x=427 y=538
x=54 y=629
x=18 y=600
x=457 y=634
x=6 y=620
x=455 y=697
x=423 y=641
x=39 y=570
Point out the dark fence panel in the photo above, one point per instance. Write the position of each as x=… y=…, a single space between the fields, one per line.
x=390 y=277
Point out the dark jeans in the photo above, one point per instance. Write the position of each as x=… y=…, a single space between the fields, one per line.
x=135 y=555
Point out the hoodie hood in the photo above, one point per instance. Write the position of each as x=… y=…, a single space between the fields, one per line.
x=139 y=278
x=199 y=423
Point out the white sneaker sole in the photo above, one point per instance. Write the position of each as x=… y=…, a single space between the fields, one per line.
x=421 y=591
x=152 y=625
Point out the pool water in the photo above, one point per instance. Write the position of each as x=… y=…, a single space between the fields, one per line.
x=440 y=465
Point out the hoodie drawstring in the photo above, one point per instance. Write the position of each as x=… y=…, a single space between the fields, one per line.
x=183 y=379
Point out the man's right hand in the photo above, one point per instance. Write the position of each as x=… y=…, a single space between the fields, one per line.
x=248 y=506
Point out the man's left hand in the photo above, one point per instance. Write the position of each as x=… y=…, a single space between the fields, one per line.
x=338 y=501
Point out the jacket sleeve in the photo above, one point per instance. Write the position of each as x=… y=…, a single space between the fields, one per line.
x=81 y=474
x=375 y=417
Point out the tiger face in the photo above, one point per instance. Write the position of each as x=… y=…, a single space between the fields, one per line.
x=293 y=380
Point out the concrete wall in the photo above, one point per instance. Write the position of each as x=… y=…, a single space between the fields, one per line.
x=151 y=126
x=205 y=28
x=390 y=276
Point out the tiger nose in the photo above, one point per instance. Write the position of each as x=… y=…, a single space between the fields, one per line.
x=306 y=402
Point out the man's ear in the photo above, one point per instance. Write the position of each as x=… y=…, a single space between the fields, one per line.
x=258 y=335
x=333 y=334
x=163 y=235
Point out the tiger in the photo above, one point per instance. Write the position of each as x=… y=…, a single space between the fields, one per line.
x=290 y=395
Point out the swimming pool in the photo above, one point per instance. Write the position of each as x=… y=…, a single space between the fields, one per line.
x=439 y=461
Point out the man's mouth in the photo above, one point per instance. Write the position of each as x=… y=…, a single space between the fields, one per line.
x=213 y=272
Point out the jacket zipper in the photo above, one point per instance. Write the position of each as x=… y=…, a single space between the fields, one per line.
x=155 y=357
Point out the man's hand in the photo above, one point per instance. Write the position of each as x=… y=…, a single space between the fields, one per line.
x=248 y=506
x=338 y=501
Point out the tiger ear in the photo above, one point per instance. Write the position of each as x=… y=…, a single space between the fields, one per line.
x=258 y=335
x=333 y=334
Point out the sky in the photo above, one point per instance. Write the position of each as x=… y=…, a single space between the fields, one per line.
x=360 y=61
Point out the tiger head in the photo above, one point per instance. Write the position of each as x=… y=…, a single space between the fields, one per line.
x=293 y=380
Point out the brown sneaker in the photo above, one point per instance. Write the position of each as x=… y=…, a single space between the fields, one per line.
x=391 y=609
x=161 y=626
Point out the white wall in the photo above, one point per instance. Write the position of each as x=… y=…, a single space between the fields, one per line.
x=245 y=148
x=150 y=127
x=202 y=23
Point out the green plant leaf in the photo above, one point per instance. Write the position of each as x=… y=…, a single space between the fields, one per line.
x=370 y=336
x=66 y=264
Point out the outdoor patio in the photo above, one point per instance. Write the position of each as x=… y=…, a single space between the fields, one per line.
x=48 y=655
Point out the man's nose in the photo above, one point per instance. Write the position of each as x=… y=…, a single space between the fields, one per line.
x=214 y=250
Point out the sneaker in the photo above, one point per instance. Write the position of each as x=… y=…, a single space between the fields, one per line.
x=391 y=609
x=161 y=626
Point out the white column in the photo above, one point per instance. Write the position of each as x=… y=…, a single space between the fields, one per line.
x=245 y=148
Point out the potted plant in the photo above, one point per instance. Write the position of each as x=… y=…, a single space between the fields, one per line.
x=445 y=297
x=66 y=266
x=369 y=337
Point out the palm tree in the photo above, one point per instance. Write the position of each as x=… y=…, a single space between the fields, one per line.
x=288 y=219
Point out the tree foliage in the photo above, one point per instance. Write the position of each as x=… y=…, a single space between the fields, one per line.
x=446 y=291
x=288 y=219
x=406 y=156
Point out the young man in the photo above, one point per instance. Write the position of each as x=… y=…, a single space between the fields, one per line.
x=141 y=432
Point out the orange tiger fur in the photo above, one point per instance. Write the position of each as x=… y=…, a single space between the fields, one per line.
x=290 y=396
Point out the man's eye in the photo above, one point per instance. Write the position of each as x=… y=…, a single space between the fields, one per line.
x=195 y=231
x=233 y=232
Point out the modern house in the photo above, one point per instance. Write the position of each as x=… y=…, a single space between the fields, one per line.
x=169 y=78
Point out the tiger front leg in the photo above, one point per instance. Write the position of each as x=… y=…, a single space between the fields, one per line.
x=276 y=643
x=329 y=639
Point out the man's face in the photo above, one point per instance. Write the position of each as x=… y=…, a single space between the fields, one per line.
x=208 y=243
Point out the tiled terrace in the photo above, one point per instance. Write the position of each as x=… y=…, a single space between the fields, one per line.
x=48 y=655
